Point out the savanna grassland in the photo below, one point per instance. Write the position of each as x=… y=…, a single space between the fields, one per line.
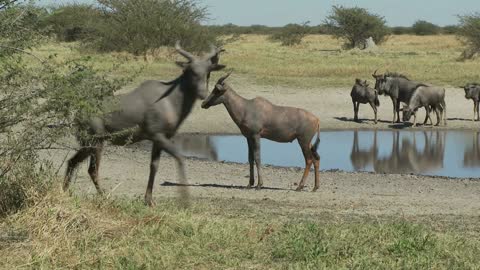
x=355 y=221
x=316 y=62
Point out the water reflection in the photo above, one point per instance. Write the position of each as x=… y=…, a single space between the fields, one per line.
x=471 y=157
x=410 y=155
x=443 y=153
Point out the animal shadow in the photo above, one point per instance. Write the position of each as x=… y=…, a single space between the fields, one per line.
x=360 y=120
x=171 y=184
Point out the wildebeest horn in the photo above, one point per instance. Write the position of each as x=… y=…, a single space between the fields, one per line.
x=222 y=79
x=214 y=51
x=181 y=51
x=375 y=73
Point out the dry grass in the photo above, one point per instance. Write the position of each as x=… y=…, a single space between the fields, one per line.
x=64 y=232
x=317 y=62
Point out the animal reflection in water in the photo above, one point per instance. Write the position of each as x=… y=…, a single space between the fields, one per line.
x=471 y=157
x=198 y=146
x=406 y=156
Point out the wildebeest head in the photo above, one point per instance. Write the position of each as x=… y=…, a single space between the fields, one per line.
x=471 y=90
x=384 y=85
x=406 y=113
x=217 y=97
x=378 y=78
x=197 y=69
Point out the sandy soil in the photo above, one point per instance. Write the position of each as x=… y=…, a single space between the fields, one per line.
x=124 y=171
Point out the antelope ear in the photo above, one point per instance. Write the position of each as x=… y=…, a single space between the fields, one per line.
x=217 y=67
x=183 y=65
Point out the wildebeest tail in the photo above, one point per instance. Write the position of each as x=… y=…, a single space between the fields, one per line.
x=377 y=102
x=316 y=143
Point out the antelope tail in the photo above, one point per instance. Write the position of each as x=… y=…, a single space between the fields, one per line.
x=377 y=102
x=316 y=143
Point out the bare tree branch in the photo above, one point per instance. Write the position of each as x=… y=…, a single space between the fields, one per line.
x=22 y=51
x=7 y=3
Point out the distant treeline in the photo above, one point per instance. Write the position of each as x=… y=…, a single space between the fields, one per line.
x=419 y=28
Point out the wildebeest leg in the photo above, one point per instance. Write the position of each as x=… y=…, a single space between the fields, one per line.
x=478 y=113
x=475 y=105
x=394 y=101
x=80 y=156
x=414 y=119
x=427 y=117
x=398 y=111
x=251 y=162
x=256 y=156
x=444 y=110
x=438 y=113
x=372 y=104
x=160 y=143
x=477 y=102
x=355 y=116
x=154 y=162
x=307 y=154
x=94 y=166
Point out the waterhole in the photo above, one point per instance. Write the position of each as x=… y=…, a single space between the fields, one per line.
x=438 y=153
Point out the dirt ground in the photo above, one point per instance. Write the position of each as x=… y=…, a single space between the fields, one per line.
x=124 y=171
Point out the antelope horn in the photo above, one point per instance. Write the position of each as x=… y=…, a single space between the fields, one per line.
x=184 y=53
x=375 y=73
x=222 y=79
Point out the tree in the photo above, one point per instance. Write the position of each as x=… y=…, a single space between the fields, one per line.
x=291 y=34
x=469 y=34
x=72 y=22
x=141 y=26
x=424 y=28
x=354 y=25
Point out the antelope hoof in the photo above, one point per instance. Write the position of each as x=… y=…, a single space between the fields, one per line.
x=299 y=188
x=314 y=189
x=258 y=187
x=249 y=186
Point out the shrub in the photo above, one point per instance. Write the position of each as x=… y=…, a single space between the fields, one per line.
x=290 y=34
x=141 y=26
x=72 y=22
x=424 y=28
x=469 y=34
x=34 y=94
x=401 y=30
x=354 y=25
x=450 y=29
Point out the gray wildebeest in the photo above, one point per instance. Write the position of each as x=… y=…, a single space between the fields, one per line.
x=472 y=91
x=361 y=93
x=153 y=111
x=258 y=118
x=398 y=87
x=430 y=97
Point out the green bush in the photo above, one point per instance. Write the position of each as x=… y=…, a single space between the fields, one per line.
x=354 y=25
x=469 y=34
x=290 y=34
x=424 y=28
x=141 y=26
x=36 y=94
x=401 y=30
x=72 y=22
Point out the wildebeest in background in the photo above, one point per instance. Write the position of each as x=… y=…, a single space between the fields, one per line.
x=430 y=97
x=258 y=118
x=361 y=93
x=153 y=111
x=472 y=91
x=398 y=87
